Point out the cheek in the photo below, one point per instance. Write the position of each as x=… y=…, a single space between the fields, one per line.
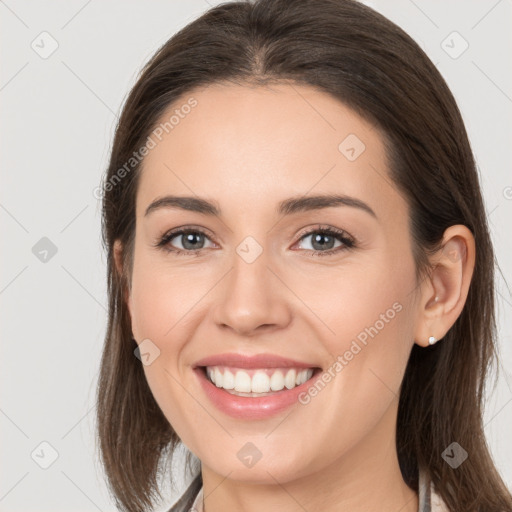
x=363 y=304
x=160 y=300
x=164 y=306
x=161 y=297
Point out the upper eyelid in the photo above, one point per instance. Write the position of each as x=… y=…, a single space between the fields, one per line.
x=172 y=233
x=338 y=232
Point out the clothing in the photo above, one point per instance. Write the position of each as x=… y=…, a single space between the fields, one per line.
x=429 y=500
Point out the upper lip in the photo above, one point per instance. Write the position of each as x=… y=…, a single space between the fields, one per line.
x=252 y=361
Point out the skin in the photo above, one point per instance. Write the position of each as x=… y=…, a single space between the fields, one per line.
x=248 y=148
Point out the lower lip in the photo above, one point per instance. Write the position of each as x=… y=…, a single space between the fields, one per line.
x=251 y=408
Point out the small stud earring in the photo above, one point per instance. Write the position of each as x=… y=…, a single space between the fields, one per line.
x=436 y=299
x=431 y=340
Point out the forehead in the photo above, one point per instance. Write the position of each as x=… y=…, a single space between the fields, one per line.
x=253 y=145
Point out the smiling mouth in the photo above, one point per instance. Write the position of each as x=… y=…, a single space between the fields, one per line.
x=257 y=382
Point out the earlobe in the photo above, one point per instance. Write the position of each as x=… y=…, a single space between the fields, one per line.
x=444 y=294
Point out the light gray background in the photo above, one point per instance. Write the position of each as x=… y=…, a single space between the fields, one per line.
x=58 y=116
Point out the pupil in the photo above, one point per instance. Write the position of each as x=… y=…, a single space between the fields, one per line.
x=190 y=239
x=319 y=237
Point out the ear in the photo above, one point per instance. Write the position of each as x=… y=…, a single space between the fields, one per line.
x=118 y=261
x=444 y=292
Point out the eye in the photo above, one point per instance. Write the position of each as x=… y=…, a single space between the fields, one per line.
x=323 y=241
x=191 y=240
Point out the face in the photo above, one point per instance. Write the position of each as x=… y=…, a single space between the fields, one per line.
x=274 y=287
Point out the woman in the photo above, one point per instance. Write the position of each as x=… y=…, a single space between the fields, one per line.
x=261 y=136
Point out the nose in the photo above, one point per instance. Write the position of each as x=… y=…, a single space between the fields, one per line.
x=252 y=299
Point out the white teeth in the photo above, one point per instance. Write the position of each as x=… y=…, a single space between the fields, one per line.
x=229 y=380
x=260 y=382
x=303 y=376
x=277 y=381
x=242 y=382
x=289 y=380
x=217 y=378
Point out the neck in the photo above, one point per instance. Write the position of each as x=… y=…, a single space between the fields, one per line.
x=366 y=478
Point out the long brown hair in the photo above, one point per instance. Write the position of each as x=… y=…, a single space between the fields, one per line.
x=351 y=52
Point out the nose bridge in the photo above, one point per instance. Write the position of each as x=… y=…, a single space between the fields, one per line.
x=251 y=295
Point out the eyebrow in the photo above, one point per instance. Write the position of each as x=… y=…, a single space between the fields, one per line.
x=287 y=207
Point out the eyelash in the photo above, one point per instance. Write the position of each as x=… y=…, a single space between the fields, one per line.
x=347 y=241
